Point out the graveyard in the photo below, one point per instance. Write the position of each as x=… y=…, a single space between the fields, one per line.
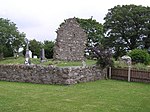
x=69 y=64
x=70 y=82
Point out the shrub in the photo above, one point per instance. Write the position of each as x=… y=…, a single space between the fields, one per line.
x=104 y=57
x=119 y=64
x=139 y=56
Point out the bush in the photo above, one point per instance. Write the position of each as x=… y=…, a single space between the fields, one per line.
x=119 y=64
x=104 y=57
x=139 y=56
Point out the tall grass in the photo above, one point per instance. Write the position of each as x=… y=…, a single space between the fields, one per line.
x=138 y=66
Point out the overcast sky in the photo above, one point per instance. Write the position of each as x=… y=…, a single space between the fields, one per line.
x=39 y=19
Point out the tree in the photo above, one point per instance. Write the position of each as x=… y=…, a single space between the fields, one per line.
x=146 y=39
x=9 y=34
x=7 y=50
x=94 y=31
x=17 y=43
x=48 y=47
x=35 y=47
x=126 y=28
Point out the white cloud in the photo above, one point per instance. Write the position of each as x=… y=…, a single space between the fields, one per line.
x=39 y=19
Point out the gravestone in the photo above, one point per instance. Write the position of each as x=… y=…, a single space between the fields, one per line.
x=35 y=57
x=30 y=54
x=126 y=59
x=71 y=41
x=42 y=55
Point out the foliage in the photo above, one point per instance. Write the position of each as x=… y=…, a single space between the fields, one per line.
x=103 y=56
x=35 y=47
x=127 y=27
x=10 y=38
x=119 y=64
x=7 y=50
x=138 y=66
x=146 y=39
x=141 y=66
x=139 y=56
x=48 y=47
x=94 y=31
x=99 y=96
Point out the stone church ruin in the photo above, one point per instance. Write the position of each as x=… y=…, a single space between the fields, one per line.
x=71 y=41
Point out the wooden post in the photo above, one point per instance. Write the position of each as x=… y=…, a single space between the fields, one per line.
x=109 y=72
x=129 y=74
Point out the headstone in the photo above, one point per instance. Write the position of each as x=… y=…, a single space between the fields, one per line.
x=42 y=55
x=35 y=57
x=126 y=59
x=30 y=54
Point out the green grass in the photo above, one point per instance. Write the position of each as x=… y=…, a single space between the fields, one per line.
x=21 y=60
x=138 y=66
x=12 y=60
x=98 y=96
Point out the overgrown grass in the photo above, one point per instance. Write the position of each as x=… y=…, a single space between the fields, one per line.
x=99 y=96
x=21 y=60
x=138 y=66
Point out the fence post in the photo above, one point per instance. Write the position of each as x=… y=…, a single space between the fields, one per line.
x=129 y=74
x=109 y=72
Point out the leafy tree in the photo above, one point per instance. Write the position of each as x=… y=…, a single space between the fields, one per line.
x=94 y=31
x=17 y=43
x=8 y=51
x=146 y=39
x=127 y=27
x=48 y=47
x=35 y=47
x=9 y=34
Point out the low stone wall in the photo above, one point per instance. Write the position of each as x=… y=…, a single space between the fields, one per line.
x=50 y=74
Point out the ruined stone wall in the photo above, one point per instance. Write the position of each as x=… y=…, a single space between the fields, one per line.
x=50 y=74
x=71 y=41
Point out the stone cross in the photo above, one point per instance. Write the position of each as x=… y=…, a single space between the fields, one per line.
x=27 y=57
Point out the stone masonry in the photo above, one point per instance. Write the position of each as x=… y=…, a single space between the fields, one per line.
x=71 y=41
x=50 y=74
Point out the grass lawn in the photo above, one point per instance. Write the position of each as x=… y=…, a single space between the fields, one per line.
x=21 y=60
x=98 y=96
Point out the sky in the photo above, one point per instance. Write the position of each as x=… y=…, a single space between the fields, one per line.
x=39 y=19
